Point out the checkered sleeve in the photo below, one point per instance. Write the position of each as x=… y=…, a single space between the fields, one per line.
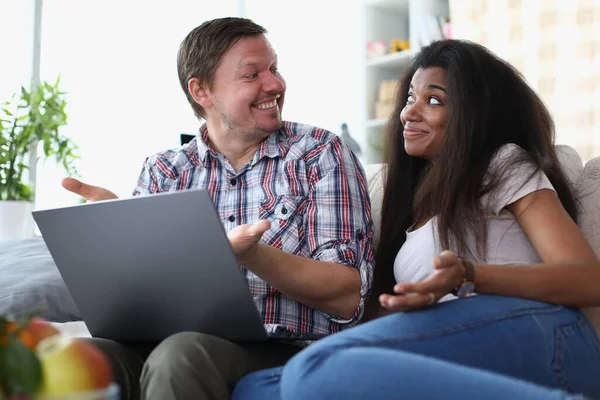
x=147 y=181
x=338 y=218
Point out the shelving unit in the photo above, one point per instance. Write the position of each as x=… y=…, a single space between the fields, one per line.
x=387 y=20
x=392 y=60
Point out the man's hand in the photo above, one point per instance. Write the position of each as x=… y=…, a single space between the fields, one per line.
x=88 y=192
x=244 y=239
x=449 y=273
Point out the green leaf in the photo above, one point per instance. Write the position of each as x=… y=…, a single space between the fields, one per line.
x=38 y=118
x=20 y=369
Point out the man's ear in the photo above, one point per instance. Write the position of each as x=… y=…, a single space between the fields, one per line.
x=200 y=93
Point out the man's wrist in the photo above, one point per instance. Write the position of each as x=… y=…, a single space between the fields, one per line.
x=251 y=257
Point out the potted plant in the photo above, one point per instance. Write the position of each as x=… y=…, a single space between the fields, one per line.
x=29 y=123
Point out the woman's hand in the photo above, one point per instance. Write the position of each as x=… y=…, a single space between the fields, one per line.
x=449 y=274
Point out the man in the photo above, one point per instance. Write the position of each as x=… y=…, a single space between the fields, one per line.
x=292 y=197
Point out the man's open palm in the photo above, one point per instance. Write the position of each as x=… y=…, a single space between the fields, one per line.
x=88 y=192
x=245 y=238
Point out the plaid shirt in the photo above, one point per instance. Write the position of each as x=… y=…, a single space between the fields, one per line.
x=311 y=188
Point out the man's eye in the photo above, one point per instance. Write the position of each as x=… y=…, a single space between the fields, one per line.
x=252 y=76
x=275 y=71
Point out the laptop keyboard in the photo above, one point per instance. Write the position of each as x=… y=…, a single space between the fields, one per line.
x=282 y=333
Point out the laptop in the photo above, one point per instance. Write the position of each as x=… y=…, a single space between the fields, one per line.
x=144 y=268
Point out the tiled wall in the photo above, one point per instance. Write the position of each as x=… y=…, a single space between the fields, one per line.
x=556 y=45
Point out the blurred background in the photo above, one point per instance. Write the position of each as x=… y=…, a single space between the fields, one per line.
x=117 y=63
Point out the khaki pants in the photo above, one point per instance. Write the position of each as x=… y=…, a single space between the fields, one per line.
x=189 y=365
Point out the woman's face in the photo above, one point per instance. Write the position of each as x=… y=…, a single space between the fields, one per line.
x=425 y=113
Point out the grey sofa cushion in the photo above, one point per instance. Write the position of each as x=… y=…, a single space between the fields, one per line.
x=29 y=280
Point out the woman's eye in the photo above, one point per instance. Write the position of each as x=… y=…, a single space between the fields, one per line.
x=433 y=100
x=410 y=99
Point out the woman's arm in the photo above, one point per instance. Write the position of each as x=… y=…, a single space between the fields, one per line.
x=569 y=273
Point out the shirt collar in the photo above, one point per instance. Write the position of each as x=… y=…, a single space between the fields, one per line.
x=276 y=145
x=203 y=143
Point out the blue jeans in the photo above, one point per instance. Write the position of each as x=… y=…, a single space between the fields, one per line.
x=472 y=347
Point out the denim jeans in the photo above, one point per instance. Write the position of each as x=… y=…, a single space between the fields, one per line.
x=471 y=347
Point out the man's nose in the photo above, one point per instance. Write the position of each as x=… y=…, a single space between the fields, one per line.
x=273 y=83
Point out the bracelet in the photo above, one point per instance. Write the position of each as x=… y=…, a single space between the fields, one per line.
x=467 y=287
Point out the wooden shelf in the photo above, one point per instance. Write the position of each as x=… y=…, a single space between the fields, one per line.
x=385 y=21
x=389 y=5
x=394 y=60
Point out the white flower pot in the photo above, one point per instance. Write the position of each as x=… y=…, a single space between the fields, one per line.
x=16 y=221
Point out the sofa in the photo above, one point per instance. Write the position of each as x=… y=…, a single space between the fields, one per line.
x=29 y=276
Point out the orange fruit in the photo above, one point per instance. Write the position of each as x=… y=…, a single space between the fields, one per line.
x=31 y=334
x=10 y=327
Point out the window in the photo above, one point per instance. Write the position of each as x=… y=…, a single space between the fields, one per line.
x=16 y=29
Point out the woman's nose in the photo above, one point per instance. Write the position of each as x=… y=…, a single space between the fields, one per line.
x=410 y=112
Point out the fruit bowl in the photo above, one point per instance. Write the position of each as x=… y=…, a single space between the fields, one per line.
x=111 y=393
x=38 y=363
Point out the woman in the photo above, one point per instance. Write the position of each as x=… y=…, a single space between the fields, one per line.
x=471 y=169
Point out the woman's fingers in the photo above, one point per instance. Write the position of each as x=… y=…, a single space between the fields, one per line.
x=414 y=296
x=438 y=282
x=411 y=302
x=445 y=259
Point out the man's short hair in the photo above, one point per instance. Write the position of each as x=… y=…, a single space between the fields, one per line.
x=201 y=51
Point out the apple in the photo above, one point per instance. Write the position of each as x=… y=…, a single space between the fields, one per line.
x=41 y=329
x=72 y=365
x=35 y=331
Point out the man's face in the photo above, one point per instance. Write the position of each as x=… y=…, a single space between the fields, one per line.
x=247 y=92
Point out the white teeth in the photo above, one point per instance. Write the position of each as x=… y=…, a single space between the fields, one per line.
x=264 y=106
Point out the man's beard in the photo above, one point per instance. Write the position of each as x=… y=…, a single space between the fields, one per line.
x=258 y=132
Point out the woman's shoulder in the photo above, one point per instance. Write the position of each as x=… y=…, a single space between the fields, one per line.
x=510 y=152
x=509 y=162
x=512 y=174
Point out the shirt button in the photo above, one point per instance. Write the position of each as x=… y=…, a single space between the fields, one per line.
x=232 y=181
x=231 y=218
x=284 y=210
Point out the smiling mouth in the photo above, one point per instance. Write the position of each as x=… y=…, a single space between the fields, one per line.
x=413 y=132
x=268 y=105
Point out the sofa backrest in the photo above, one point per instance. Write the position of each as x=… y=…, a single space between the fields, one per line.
x=588 y=196
x=374 y=173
